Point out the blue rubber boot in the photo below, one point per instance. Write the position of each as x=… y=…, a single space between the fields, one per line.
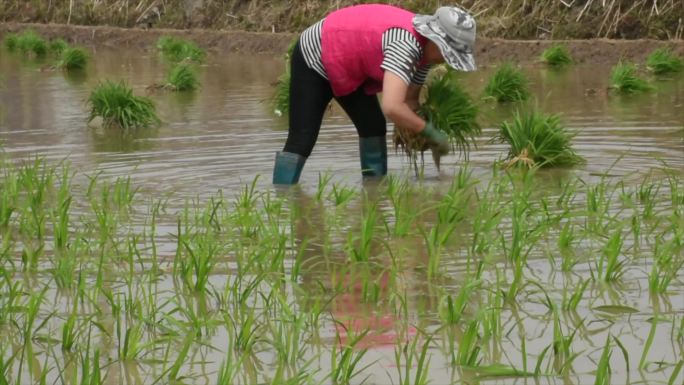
x=288 y=167
x=373 y=153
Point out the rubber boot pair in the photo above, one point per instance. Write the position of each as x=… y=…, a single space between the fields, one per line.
x=373 y=154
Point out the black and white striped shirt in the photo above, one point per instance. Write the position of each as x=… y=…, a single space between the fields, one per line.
x=401 y=50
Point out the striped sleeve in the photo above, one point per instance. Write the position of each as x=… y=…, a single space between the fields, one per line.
x=402 y=53
x=310 y=43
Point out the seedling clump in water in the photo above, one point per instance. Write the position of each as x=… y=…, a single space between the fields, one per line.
x=663 y=61
x=557 y=56
x=508 y=84
x=624 y=80
x=538 y=140
x=118 y=107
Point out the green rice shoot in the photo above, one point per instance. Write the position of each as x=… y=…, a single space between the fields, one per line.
x=450 y=109
x=625 y=80
x=115 y=103
x=663 y=61
x=182 y=77
x=73 y=58
x=28 y=42
x=508 y=84
x=557 y=56
x=177 y=50
x=11 y=42
x=536 y=139
x=58 y=46
x=281 y=95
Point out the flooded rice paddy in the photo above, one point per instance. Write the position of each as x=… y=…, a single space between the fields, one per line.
x=165 y=255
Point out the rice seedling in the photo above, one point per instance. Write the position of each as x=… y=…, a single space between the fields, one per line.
x=665 y=266
x=280 y=100
x=609 y=267
x=662 y=61
x=177 y=50
x=28 y=42
x=624 y=79
x=57 y=46
x=341 y=194
x=118 y=107
x=73 y=58
x=539 y=140
x=557 y=56
x=182 y=77
x=11 y=42
x=508 y=84
x=451 y=110
x=345 y=360
x=359 y=246
x=412 y=356
x=571 y=303
x=452 y=309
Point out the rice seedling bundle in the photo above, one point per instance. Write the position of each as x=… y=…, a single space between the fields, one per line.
x=182 y=77
x=73 y=58
x=557 y=55
x=281 y=95
x=508 y=84
x=11 y=42
x=538 y=140
x=450 y=109
x=177 y=50
x=58 y=46
x=663 y=61
x=625 y=80
x=28 y=42
x=118 y=107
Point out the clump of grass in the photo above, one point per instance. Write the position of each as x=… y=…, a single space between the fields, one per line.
x=624 y=79
x=11 y=42
x=177 y=50
x=557 y=55
x=538 y=140
x=663 y=61
x=450 y=109
x=58 y=46
x=508 y=84
x=182 y=77
x=28 y=42
x=73 y=58
x=118 y=107
x=281 y=95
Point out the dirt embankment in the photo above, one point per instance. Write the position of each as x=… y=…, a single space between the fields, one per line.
x=488 y=50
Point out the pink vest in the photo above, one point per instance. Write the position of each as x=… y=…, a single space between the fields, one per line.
x=351 y=45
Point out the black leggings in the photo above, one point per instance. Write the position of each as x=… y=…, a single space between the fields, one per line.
x=310 y=94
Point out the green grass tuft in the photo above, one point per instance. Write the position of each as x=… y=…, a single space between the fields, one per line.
x=281 y=95
x=11 y=42
x=182 y=77
x=75 y=58
x=449 y=107
x=557 y=55
x=508 y=84
x=118 y=107
x=663 y=61
x=624 y=79
x=28 y=42
x=538 y=140
x=177 y=50
x=58 y=46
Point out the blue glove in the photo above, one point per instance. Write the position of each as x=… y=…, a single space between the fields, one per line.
x=438 y=141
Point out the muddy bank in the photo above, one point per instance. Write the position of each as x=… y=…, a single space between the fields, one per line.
x=488 y=51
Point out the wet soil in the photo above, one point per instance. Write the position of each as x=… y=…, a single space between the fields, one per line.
x=488 y=50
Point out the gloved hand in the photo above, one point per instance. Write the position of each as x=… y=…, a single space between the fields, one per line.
x=438 y=141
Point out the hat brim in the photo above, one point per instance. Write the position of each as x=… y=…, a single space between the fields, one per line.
x=461 y=59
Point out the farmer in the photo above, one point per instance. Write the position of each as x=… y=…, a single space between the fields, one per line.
x=353 y=54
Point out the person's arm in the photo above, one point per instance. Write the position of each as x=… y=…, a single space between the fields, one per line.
x=396 y=108
x=397 y=97
x=413 y=95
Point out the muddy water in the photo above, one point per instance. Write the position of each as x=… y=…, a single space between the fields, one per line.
x=223 y=135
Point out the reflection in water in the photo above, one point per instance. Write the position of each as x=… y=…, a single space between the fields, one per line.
x=125 y=141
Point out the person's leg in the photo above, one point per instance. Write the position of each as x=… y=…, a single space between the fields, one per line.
x=309 y=96
x=366 y=114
